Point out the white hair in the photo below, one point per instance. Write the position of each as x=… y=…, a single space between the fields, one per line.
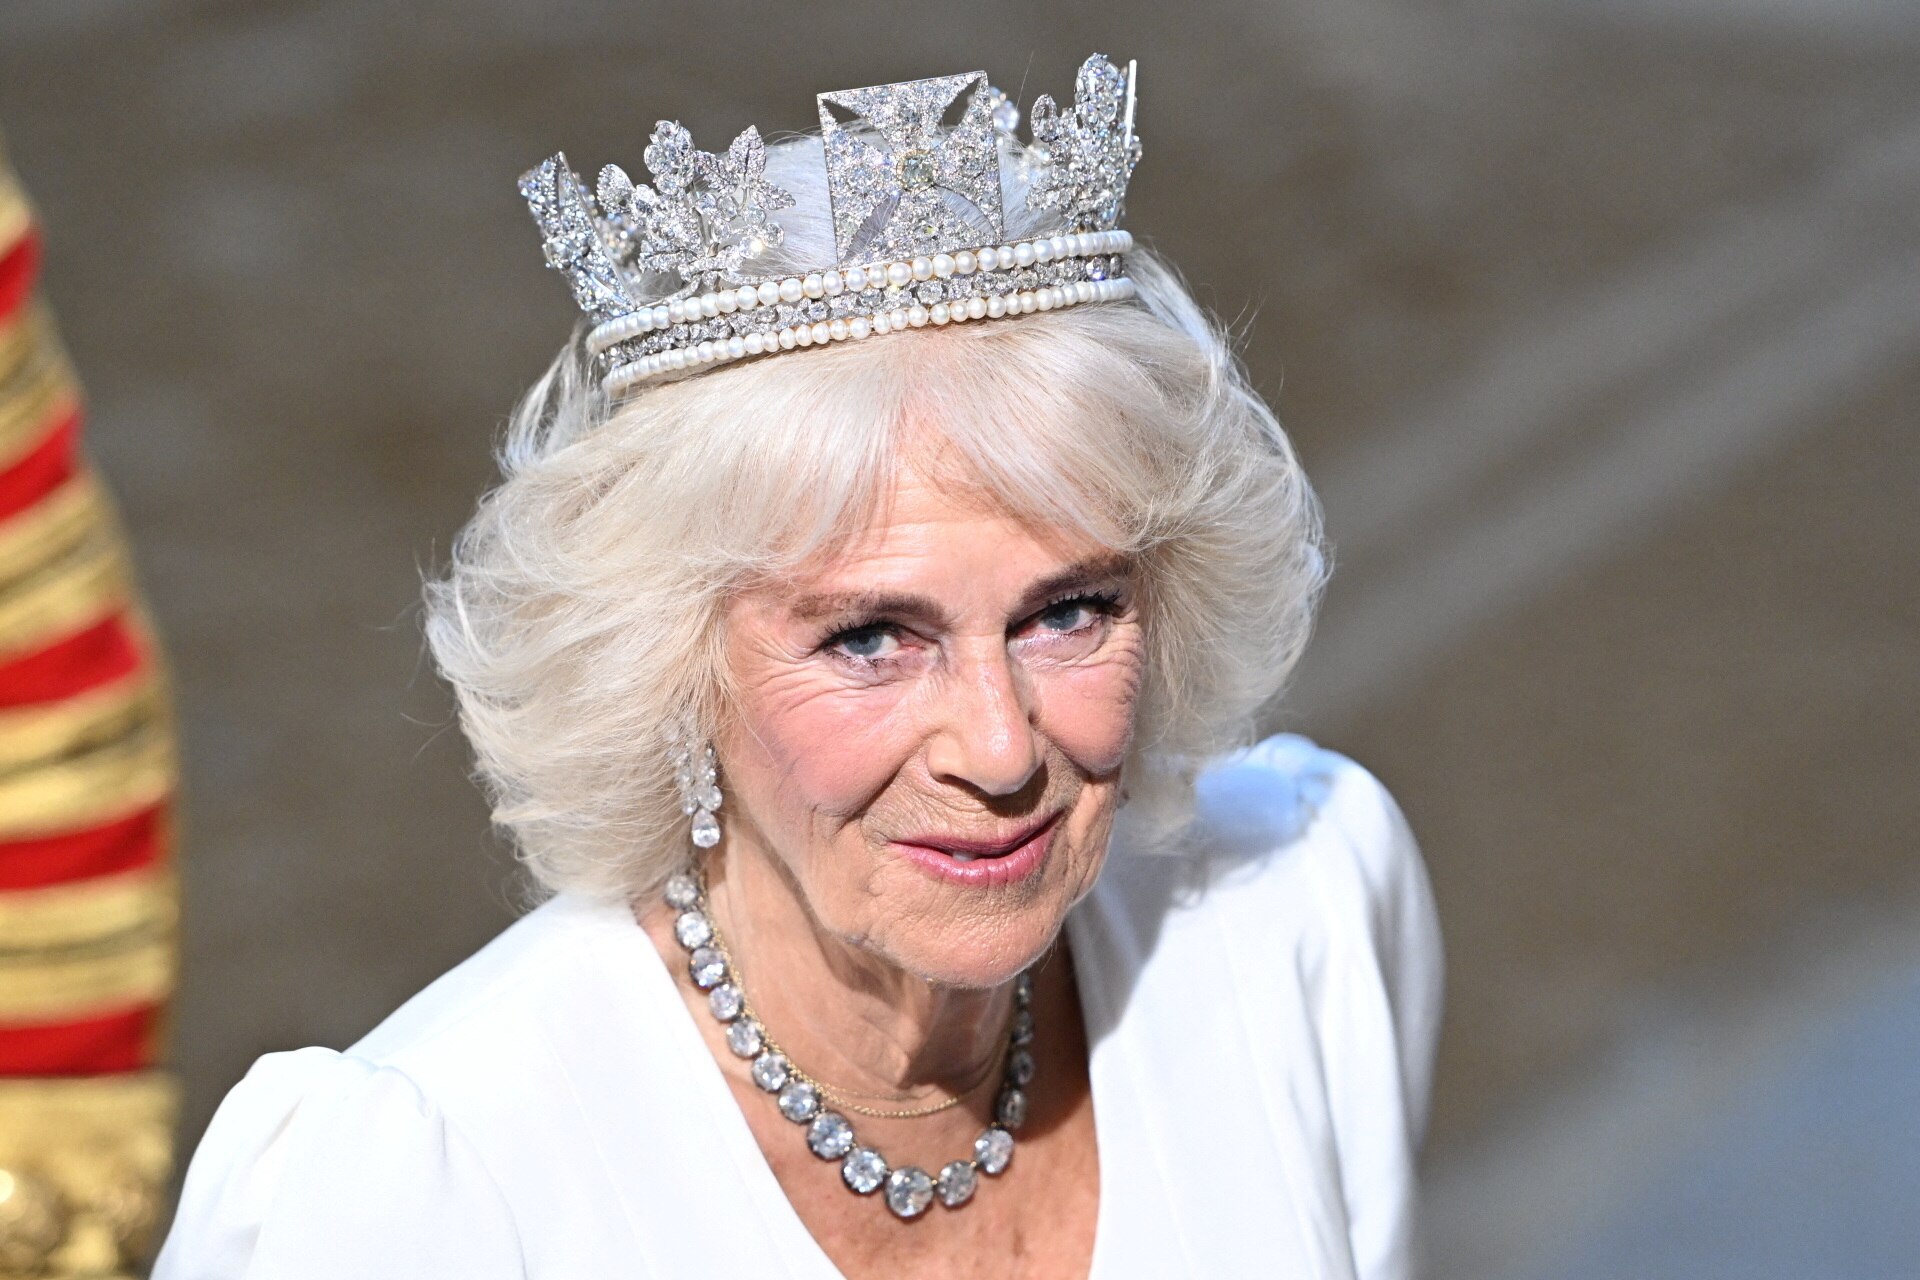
x=579 y=623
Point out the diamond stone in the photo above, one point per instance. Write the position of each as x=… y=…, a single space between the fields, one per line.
x=1023 y=988
x=992 y=1150
x=682 y=891
x=770 y=1071
x=917 y=169
x=706 y=829
x=799 y=1101
x=830 y=1136
x=706 y=967
x=957 y=1182
x=744 y=1038
x=1023 y=1027
x=693 y=930
x=1020 y=1067
x=909 y=1192
x=726 y=1001
x=1011 y=1110
x=864 y=1170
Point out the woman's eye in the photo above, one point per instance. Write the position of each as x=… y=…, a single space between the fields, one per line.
x=866 y=643
x=1068 y=616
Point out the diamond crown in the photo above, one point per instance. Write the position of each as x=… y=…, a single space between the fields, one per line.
x=676 y=274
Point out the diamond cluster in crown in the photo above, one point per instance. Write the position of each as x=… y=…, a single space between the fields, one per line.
x=667 y=269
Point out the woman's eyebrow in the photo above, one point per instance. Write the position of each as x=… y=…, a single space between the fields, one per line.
x=891 y=604
x=1092 y=572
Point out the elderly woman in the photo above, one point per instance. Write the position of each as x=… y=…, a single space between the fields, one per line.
x=863 y=710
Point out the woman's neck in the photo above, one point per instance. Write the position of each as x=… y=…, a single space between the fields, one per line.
x=848 y=1017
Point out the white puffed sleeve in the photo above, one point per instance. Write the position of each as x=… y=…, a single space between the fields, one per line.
x=319 y=1166
x=1379 y=1001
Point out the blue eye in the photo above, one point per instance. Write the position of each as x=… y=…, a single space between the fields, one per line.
x=865 y=643
x=1076 y=614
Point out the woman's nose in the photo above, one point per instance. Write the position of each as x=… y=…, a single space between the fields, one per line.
x=985 y=738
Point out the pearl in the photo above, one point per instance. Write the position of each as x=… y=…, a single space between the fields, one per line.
x=859 y=327
x=709 y=306
x=976 y=308
x=822 y=334
x=746 y=297
x=943 y=265
x=837 y=330
x=790 y=289
x=1004 y=256
x=736 y=347
x=1027 y=306
x=662 y=317
x=917 y=316
x=1023 y=255
x=899 y=274
x=726 y=302
x=1043 y=251
x=814 y=286
x=676 y=312
x=922 y=269
x=832 y=282
x=855 y=279
x=752 y=344
x=964 y=263
x=898 y=319
x=803 y=335
x=939 y=314
x=881 y=324
x=677 y=358
x=703 y=353
x=768 y=293
x=1059 y=246
x=996 y=306
x=787 y=341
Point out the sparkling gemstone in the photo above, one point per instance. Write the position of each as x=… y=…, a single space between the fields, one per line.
x=706 y=829
x=770 y=1071
x=693 y=929
x=864 y=1170
x=1006 y=115
x=931 y=292
x=830 y=1136
x=744 y=1037
x=1011 y=1110
x=682 y=891
x=992 y=1150
x=1023 y=988
x=1019 y=1067
x=909 y=1191
x=707 y=967
x=917 y=169
x=708 y=796
x=726 y=1001
x=1096 y=270
x=957 y=1182
x=1023 y=1027
x=799 y=1101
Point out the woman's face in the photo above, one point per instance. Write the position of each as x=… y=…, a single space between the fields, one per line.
x=930 y=729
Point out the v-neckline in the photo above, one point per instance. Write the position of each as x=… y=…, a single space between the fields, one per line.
x=799 y=1249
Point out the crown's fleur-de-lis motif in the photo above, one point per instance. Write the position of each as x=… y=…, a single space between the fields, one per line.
x=705 y=215
x=900 y=183
x=579 y=241
x=1089 y=151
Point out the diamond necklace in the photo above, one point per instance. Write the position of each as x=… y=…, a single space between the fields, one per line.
x=910 y=1191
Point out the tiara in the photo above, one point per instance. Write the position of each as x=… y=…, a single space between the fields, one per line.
x=675 y=274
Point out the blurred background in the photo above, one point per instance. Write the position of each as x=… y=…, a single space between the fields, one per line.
x=1596 y=321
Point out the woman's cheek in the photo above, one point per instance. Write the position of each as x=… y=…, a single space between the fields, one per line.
x=826 y=744
x=1088 y=709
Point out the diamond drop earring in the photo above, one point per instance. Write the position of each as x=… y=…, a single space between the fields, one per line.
x=696 y=770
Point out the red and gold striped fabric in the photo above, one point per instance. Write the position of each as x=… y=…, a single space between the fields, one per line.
x=88 y=905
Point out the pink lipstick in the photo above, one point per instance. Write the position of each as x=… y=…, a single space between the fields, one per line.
x=981 y=863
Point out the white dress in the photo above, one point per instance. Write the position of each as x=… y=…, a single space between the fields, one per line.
x=1260 y=1060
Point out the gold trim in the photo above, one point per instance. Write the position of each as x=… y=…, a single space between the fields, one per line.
x=89 y=913
x=36 y=736
x=16 y=215
x=85 y=1161
x=86 y=982
x=39 y=534
x=28 y=412
x=97 y=787
x=85 y=586
x=29 y=330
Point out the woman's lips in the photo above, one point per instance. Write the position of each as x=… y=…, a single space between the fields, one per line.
x=981 y=863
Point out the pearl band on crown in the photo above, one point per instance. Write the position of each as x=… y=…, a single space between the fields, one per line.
x=917 y=216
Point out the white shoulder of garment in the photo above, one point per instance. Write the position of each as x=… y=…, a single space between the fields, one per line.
x=446 y=1142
